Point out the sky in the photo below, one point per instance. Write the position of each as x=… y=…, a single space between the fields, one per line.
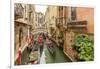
x=40 y=8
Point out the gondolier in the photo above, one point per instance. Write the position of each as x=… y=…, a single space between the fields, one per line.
x=30 y=42
x=40 y=41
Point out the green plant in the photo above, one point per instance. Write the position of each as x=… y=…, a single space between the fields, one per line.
x=61 y=34
x=85 y=47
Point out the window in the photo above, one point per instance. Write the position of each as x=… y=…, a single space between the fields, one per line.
x=73 y=13
x=61 y=8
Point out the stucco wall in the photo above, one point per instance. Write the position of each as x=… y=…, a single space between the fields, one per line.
x=86 y=14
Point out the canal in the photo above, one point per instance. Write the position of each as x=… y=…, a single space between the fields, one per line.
x=57 y=57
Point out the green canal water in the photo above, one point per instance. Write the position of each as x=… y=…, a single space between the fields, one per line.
x=59 y=57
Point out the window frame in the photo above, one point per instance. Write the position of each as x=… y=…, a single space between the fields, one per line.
x=73 y=13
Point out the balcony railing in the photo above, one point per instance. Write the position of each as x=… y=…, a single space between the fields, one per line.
x=77 y=26
x=72 y=25
x=61 y=21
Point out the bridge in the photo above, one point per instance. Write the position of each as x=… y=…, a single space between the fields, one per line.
x=36 y=31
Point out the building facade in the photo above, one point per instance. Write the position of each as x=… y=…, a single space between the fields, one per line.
x=39 y=20
x=23 y=24
x=80 y=20
x=50 y=19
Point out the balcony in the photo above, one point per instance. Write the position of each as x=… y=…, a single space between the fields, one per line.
x=77 y=26
x=61 y=21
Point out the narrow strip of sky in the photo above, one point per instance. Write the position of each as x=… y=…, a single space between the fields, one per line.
x=40 y=8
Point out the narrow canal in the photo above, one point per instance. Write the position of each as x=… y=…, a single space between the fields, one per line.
x=49 y=55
